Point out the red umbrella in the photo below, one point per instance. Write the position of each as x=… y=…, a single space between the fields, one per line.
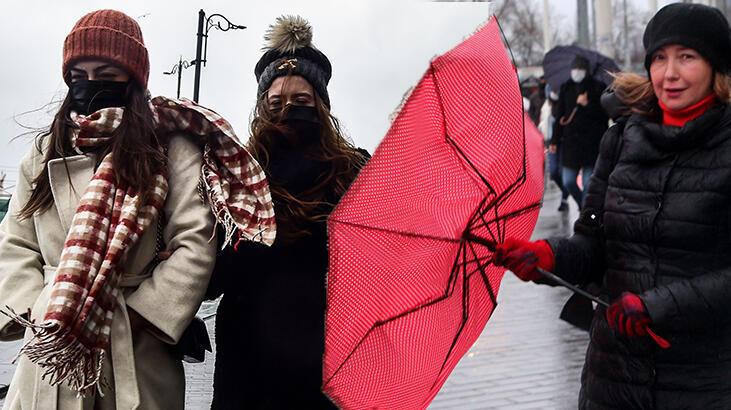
x=410 y=285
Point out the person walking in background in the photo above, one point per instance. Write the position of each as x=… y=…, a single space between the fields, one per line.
x=114 y=180
x=655 y=229
x=536 y=97
x=554 y=155
x=270 y=321
x=579 y=126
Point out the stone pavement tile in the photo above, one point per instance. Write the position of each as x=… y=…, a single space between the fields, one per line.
x=469 y=403
x=8 y=351
x=199 y=376
x=540 y=405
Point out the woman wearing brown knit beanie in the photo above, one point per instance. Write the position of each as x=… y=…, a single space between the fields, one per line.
x=116 y=179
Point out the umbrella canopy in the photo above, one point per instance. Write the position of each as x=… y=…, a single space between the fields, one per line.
x=411 y=285
x=557 y=65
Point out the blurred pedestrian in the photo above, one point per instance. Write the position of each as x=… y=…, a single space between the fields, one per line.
x=270 y=321
x=536 y=97
x=113 y=180
x=655 y=230
x=579 y=127
x=554 y=155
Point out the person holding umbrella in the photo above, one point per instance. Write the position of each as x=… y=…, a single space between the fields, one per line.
x=579 y=126
x=655 y=229
x=270 y=322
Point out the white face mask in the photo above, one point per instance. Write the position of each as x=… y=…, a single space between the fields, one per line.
x=578 y=74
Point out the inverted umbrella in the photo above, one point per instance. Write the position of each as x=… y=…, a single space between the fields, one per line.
x=557 y=65
x=410 y=284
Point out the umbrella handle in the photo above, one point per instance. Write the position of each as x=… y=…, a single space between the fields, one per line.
x=659 y=340
x=566 y=121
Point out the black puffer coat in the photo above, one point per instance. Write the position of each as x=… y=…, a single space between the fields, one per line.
x=658 y=223
x=579 y=139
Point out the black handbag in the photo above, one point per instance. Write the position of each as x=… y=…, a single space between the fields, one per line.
x=578 y=311
x=194 y=342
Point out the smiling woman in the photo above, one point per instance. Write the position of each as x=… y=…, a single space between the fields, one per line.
x=655 y=230
x=680 y=77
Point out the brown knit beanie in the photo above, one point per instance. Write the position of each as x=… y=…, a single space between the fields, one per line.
x=108 y=35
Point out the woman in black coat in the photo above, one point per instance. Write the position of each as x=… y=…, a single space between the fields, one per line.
x=270 y=322
x=655 y=230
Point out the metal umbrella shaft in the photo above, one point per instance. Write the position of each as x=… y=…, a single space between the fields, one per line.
x=553 y=277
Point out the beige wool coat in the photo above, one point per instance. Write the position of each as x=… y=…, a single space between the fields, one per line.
x=141 y=369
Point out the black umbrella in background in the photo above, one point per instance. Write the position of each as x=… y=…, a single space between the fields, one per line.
x=557 y=65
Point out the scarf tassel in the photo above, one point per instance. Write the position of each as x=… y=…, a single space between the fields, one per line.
x=232 y=232
x=62 y=358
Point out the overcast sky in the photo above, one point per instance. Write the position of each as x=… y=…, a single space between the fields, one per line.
x=378 y=49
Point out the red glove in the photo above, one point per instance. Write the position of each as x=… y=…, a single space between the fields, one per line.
x=524 y=257
x=628 y=316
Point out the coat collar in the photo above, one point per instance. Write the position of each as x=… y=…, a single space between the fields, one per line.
x=694 y=133
x=69 y=177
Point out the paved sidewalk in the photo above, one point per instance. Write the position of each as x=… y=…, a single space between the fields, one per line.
x=525 y=359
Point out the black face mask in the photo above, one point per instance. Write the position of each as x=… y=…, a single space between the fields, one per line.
x=304 y=124
x=89 y=96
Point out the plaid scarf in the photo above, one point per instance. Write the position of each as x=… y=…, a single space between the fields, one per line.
x=70 y=344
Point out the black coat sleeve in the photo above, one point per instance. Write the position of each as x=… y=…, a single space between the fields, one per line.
x=703 y=302
x=580 y=258
x=594 y=109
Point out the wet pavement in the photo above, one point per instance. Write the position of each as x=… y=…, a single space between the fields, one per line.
x=526 y=358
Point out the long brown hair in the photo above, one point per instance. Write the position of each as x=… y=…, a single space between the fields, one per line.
x=136 y=150
x=293 y=211
x=637 y=93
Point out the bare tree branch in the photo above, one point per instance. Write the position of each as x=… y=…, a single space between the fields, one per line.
x=522 y=22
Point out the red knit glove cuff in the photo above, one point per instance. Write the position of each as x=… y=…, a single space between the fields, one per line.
x=546 y=259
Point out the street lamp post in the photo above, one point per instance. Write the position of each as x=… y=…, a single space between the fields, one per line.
x=582 y=23
x=178 y=68
x=205 y=24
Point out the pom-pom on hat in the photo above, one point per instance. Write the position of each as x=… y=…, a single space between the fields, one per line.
x=290 y=51
x=108 y=35
x=700 y=27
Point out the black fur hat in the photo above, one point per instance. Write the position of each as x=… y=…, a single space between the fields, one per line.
x=702 y=28
x=290 y=51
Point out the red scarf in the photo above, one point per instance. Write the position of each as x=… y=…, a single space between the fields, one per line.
x=678 y=118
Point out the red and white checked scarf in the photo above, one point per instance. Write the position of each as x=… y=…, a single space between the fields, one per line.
x=70 y=344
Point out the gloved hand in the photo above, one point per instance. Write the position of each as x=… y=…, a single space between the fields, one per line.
x=628 y=315
x=524 y=257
